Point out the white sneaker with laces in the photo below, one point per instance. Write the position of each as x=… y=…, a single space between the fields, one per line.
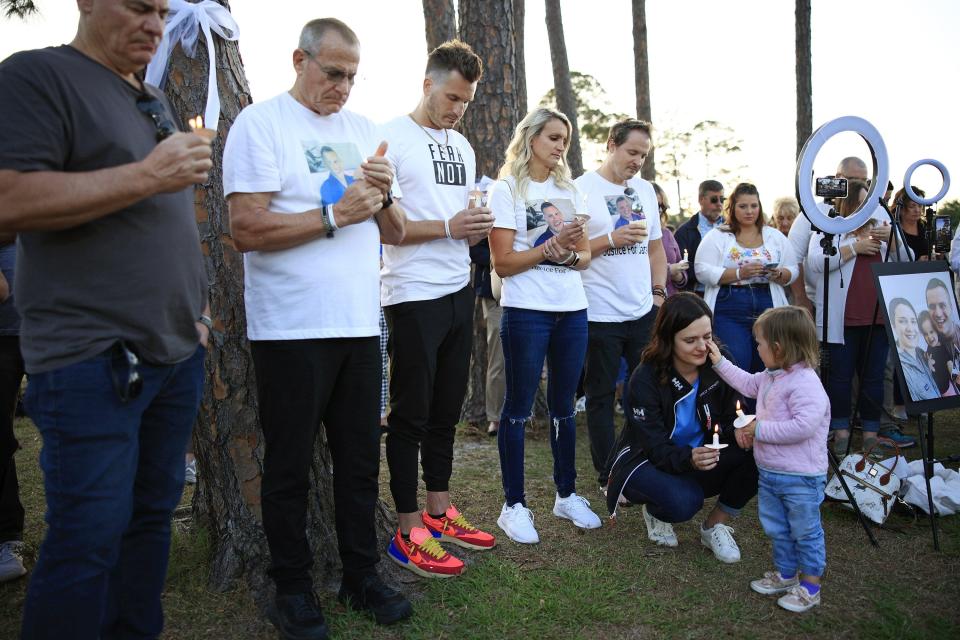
x=798 y=599
x=190 y=475
x=772 y=582
x=517 y=523
x=11 y=560
x=581 y=405
x=719 y=539
x=577 y=509
x=659 y=531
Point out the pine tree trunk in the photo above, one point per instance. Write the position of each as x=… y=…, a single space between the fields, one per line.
x=439 y=21
x=487 y=26
x=519 y=19
x=642 y=76
x=804 y=79
x=227 y=437
x=566 y=101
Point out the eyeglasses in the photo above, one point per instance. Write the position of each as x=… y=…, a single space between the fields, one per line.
x=127 y=381
x=717 y=199
x=334 y=75
x=152 y=107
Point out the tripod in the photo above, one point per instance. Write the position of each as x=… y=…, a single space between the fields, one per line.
x=828 y=251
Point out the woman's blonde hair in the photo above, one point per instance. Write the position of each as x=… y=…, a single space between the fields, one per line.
x=791 y=335
x=516 y=161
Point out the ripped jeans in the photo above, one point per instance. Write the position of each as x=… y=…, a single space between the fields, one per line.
x=528 y=337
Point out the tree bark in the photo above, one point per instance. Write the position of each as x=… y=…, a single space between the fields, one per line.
x=487 y=26
x=519 y=20
x=566 y=102
x=439 y=21
x=227 y=437
x=804 y=77
x=642 y=77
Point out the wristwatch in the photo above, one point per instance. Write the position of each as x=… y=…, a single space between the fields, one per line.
x=388 y=201
x=206 y=321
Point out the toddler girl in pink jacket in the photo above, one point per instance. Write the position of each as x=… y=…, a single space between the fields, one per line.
x=789 y=437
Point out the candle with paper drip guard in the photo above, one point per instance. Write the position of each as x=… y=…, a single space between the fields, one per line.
x=685 y=256
x=742 y=420
x=196 y=125
x=716 y=439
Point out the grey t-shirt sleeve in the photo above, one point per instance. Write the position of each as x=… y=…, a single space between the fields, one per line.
x=35 y=128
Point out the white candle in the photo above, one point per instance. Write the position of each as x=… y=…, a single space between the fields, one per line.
x=739 y=412
x=716 y=435
x=685 y=255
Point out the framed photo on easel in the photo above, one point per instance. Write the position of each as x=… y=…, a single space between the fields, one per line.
x=922 y=320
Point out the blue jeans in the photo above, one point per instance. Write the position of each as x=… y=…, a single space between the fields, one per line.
x=528 y=337
x=113 y=474
x=734 y=313
x=678 y=497
x=850 y=358
x=789 y=510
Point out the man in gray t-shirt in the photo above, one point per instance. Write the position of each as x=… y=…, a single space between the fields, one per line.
x=111 y=290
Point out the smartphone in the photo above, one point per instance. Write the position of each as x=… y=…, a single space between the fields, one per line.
x=831 y=188
x=770 y=267
x=942 y=234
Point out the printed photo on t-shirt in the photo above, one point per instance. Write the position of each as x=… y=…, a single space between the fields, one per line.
x=545 y=219
x=336 y=162
x=624 y=208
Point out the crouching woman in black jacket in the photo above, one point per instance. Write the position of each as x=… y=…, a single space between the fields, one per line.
x=674 y=403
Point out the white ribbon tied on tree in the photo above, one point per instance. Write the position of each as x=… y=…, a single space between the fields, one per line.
x=184 y=23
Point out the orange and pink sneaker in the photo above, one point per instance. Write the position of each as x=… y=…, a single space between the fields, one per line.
x=423 y=555
x=453 y=527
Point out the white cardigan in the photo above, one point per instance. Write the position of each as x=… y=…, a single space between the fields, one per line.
x=838 y=294
x=715 y=245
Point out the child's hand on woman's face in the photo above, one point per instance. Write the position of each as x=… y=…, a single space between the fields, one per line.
x=714 y=351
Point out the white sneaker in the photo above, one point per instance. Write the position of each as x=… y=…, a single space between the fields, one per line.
x=798 y=599
x=517 y=523
x=773 y=583
x=577 y=509
x=719 y=539
x=659 y=531
x=11 y=560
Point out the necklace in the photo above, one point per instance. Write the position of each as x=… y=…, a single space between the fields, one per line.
x=446 y=132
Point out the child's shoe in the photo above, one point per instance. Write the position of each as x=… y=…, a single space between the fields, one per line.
x=798 y=599
x=773 y=583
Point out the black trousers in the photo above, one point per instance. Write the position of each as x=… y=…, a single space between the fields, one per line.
x=607 y=342
x=11 y=375
x=430 y=343
x=302 y=384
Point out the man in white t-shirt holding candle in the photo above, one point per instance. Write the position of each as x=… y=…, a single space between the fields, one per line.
x=311 y=279
x=626 y=280
x=428 y=303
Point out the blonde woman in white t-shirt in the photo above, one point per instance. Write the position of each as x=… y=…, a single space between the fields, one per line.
x=544 y=310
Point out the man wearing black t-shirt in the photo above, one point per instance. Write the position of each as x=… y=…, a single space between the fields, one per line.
x=111 y=288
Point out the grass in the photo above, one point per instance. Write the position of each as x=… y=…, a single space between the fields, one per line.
x=611 y=583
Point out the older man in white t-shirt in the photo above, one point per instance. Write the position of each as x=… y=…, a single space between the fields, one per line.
x=311 y=291
x=428 y=303
x=627 y=275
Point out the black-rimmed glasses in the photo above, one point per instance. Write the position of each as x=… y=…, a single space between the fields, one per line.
x=717 y=199
x=153 y=108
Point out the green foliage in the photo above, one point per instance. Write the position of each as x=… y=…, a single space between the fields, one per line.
x=594 y=111
x=17 y=8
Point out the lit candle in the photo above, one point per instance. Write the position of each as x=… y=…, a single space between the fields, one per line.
x=196 y=125
x=685 y=255
x=716 y=439
x=739 y=412
x=742 y=420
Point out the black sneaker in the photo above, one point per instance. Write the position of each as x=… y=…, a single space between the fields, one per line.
x=385 y=603
x=297 y=616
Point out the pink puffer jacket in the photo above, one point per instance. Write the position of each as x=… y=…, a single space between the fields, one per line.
x=793 y=416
